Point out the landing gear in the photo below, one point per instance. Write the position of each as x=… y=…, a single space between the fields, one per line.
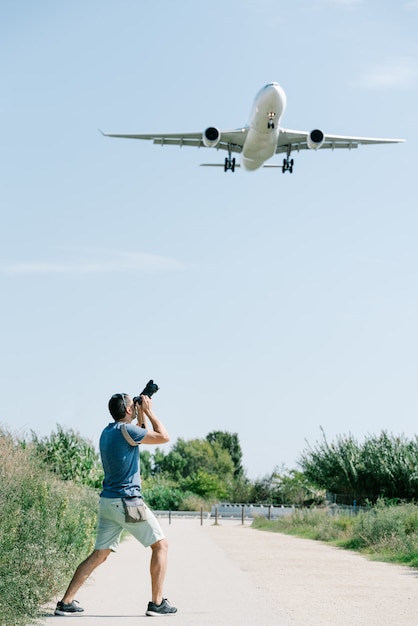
x=229 y=164
x=270 y=117
x=288 y=162
x=287 y=165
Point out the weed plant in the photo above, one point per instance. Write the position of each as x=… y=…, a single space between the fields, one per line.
x=382 y=466
x=47 y=527
x=385 y=532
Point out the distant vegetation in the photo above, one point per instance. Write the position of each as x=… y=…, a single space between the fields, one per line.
x=193 y=474
x=199 y=472
x=383 y=466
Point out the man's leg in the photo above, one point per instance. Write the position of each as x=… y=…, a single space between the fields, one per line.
x=158 y=568
x=83 y=571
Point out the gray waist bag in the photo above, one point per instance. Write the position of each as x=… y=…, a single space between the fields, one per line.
x=135 y=510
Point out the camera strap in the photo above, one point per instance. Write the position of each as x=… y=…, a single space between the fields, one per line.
x=127 y=436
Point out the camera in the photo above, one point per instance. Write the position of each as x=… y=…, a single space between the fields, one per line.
x=149 y=390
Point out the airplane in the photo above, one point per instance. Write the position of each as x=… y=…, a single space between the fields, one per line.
x=262 y=138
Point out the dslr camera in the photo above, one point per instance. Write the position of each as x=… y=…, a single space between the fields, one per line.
x=149 y=390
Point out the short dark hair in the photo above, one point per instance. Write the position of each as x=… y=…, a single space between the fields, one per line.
x=117 y=406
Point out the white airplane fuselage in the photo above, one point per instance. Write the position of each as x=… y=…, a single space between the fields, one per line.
x=264 y=126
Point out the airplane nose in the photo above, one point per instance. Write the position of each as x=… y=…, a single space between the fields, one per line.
x=279 y=90
x=281 y=94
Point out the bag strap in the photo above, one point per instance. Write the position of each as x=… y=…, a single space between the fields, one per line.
x=127 y=436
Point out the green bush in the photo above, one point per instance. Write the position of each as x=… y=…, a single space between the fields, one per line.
x=205 y=485
x=46 y=528
x=390 y=530
x=70 y=456
x=162 y=494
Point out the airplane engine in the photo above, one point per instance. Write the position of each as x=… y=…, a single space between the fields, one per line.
x=316 y=139
x=211 y=137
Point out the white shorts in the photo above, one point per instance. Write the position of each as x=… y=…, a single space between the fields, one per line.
x=112 y=523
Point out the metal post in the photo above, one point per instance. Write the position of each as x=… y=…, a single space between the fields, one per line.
x=169 y=517
x=269 y=512
x=216 y=515
x=242 y=514
x=201 y=515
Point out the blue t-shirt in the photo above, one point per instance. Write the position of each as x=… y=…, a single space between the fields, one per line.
x=120 y=461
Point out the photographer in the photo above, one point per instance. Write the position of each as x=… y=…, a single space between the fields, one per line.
x=121 y=505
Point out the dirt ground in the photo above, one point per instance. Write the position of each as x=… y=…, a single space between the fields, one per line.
x=232 y=575
x=318 y=585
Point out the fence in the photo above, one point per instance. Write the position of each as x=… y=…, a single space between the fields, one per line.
x=232 y=511
x=250 y=511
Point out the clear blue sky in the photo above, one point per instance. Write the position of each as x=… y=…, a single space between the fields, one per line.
x=261 y=303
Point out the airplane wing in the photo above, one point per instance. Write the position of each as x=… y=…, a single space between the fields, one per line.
x=231 y=140
x=296 y=140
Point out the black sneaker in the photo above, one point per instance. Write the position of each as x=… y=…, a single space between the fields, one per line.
x=165 y=608
x=68 y=609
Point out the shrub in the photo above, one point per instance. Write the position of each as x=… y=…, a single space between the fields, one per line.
x=388 y=529
x=46 y=528
x=70 y=456
x=205 y=485
x=162 y=494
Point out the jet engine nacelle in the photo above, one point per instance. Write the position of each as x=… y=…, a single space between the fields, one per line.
x=316 y=139
x=211 y=137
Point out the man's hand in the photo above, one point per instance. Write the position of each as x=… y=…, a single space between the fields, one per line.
x=146 y=406
x=159 y=433
x=140 y=416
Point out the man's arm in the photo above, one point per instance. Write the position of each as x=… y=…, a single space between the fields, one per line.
x=159 y=434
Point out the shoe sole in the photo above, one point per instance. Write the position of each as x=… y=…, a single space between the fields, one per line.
x=67 y=613
x=155 y=614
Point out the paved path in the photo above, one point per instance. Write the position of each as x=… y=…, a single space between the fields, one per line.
x=232 y=575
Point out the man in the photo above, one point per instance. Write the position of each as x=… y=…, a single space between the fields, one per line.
x=120 y=458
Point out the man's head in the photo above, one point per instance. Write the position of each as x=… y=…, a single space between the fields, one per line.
x=119 y=405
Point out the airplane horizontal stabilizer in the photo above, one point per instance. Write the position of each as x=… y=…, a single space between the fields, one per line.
x=216 y=165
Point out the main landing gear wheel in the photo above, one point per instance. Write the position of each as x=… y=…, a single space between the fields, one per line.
x=287 y=165
x=229 y=164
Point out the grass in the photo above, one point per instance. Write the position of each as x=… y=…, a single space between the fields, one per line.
x=47 y=527
x=384 y=532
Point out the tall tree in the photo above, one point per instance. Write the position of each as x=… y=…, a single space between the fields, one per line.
x=187 y=458
x=230 y=442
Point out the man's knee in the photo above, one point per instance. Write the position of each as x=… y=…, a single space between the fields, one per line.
x=160 y=546
x=99 y=556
